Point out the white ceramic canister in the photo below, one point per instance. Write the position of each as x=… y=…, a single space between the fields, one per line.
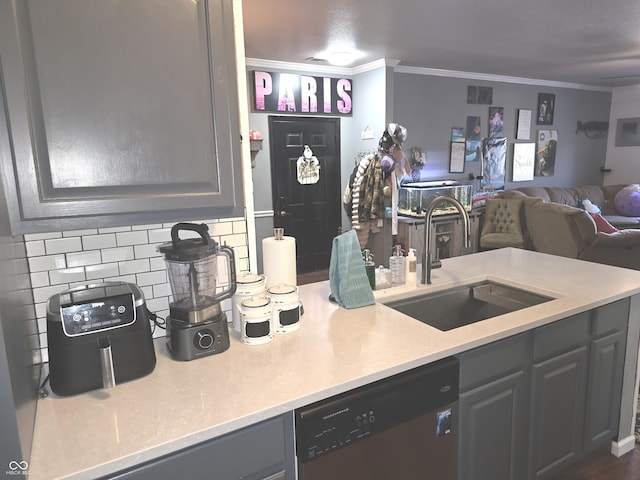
x=247 y=285
x=255 y=320
x=286 y=308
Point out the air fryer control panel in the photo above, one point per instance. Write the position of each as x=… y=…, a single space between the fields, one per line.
x=89 y=312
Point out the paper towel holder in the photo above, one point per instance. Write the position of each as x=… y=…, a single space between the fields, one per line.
x=278 y=233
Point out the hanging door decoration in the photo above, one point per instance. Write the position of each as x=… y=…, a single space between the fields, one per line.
x=308 y=167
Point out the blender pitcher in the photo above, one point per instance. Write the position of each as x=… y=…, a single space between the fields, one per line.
x=193 y=276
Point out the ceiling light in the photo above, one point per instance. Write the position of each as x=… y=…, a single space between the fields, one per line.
x=340 y=59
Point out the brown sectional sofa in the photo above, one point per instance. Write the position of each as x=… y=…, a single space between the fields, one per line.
x=555 y=225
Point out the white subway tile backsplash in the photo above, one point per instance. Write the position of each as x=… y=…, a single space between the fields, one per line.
x=80 y=259
x=79 y=233
x=104 y=270
x=67 y=276
x=162 y=290
x=39 y=279
x=151 y=278
x=240 y=227
x=35 y=248
x=132 y=238
x=117 y=254
x=234 y=240
x=146 y=227
x=96 y=242
x=63 y=245
x=218 y=229
x=160 y=235
x=133 y=266
x=47 y=262
x=157 y=304
x=28 y=237
x=60 y=260
x=114 y=229
x=157 y=263
x=145 y=251
x=42 y=294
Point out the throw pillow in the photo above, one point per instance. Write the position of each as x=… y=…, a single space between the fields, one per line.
x=602 y=224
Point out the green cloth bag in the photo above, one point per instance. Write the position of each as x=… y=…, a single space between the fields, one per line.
x=347 y=275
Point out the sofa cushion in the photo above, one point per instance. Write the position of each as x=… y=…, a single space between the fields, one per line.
x=620 y=221
x=593 y=193
x=539 y=192
x=560 y=229
x=565 y=196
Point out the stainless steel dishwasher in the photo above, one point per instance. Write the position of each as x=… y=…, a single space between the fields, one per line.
x=400 y=427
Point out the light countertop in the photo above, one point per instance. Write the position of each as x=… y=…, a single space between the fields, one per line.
x=181 y=404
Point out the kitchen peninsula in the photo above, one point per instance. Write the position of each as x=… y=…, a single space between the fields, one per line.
x=182 y=404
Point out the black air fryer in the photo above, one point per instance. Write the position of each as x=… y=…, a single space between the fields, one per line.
x=99 y=335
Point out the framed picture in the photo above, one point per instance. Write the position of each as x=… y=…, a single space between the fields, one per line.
x=480 y=95
x=524 y=157
x=494 y=155
x=546 y=106
x=496 y=121
x=474 y=139
x=523 y=129
x=628 y=132
x=456 y=160
x=546 y=153
x=457 y=134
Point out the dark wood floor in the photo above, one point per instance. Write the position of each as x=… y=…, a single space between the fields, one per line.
x=602 y=465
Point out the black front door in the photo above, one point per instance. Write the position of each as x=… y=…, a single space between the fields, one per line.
x=310 y=212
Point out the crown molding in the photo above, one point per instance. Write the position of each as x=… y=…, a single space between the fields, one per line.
x=435 y=72
x=498 y=78
x=305 y=67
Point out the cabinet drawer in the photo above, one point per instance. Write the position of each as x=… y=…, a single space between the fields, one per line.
x=561 y=336
x=494 y=360
x=611 y=317
x=255 y=452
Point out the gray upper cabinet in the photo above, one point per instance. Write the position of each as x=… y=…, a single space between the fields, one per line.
x=118 y=112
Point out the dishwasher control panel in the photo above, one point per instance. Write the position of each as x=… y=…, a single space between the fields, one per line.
x=339 y=421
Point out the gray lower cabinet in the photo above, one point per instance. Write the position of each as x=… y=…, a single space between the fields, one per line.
x=264 y=451
x=118 y=112
x=494 y=406
x=532 y=404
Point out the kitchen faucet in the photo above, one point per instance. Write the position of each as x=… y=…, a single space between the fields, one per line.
x=427 y=264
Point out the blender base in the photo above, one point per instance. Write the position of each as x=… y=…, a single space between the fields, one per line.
x=188 y=341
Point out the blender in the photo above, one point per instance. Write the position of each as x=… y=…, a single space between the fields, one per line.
x=197 y=326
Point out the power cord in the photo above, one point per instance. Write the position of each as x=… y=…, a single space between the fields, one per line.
x=157 y=321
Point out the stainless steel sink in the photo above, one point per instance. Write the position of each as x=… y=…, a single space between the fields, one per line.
x=465 y=305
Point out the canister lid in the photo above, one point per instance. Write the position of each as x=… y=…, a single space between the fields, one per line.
x=248 y=278
x=282 y=289
x=255 y=302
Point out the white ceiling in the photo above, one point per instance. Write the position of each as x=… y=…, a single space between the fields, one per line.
x=590 y=42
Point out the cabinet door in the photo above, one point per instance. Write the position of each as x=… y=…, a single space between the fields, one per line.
x=493 y=430
x=260 y=452
x=120 y=112
x=559 y=386
x=605 y=389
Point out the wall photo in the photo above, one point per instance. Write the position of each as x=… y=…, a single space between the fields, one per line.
x=628 y=132
x=546 y=107
x=494 y=156
x=546 y=156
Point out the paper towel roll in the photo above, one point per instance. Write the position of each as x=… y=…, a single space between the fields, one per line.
x=279 y=261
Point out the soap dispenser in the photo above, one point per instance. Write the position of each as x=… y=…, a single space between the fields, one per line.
x=397 y=265
x=412 y=264
x=369 y=267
